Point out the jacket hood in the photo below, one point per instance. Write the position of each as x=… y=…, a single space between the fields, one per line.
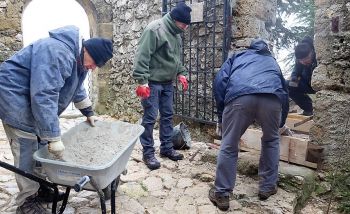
x=260 y=46
x=68 y=35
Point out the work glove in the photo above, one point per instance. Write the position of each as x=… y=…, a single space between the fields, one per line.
x=56 y=148
x=285 y=130
x=143 y=91
x=91 y=120
x=294 y=82
x=218 y=129
x=183 y=81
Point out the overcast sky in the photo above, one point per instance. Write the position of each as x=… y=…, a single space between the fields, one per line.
x=43 y=15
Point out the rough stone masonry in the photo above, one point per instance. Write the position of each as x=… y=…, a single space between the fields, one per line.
x=124 y=21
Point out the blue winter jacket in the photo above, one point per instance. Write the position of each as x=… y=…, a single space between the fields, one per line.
x=252 y=71
x=40 y=81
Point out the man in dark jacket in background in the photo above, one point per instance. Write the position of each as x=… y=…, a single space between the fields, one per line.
x=249 y=87
x=300 y=80
x=157 y=64
x=36 y=86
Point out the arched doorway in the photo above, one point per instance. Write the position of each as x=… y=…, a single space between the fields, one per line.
x=40 y=16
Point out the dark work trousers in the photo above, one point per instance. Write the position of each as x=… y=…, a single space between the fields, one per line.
x=300 y=95
x=265 y=109
x=161 y=99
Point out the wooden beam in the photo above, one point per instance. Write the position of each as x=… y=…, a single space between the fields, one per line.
x=292 y=149
x=296 y=118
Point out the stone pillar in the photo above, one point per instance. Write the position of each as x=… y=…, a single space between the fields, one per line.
x=117 y=87
x=252 y=18
x=332 y=81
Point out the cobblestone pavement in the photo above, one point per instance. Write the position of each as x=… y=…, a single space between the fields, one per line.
x=177 y=187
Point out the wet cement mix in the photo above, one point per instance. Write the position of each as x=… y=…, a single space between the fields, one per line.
x=96 y=146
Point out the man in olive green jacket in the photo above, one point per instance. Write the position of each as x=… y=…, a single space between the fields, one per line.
x=157 y=64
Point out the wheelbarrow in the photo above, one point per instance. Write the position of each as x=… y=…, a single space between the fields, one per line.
x=102 y=178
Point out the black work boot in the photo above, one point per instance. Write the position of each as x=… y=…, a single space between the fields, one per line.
x=46 y=194
x=151 y=162
x=221 y=201
x=31 y=206
x=307 y=113
x=265 y=195
x=172 y=155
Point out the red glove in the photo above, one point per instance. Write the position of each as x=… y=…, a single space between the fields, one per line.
x=182 y=79
x=143 y=91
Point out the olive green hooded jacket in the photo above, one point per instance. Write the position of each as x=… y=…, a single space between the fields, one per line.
x=158 y=55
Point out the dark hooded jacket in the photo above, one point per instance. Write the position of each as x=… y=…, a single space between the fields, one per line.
x=304 y=72
x=252 y=71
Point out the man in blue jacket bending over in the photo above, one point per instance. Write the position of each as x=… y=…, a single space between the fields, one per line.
x=36 y=86
x=249 y=87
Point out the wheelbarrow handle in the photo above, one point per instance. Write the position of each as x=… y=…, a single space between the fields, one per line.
x=81 y=183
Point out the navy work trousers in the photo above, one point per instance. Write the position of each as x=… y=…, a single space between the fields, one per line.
x=265 y=109
x=161 y=99
x=300 y=95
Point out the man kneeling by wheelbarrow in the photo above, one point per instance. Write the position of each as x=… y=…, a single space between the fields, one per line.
x=36 y=85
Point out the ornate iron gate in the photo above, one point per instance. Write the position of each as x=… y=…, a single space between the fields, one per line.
x=205 y=47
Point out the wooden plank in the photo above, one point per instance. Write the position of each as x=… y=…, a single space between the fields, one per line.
x=295 y=118
x=292 y=149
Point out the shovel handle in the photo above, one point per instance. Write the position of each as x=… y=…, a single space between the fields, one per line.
x=303 y=121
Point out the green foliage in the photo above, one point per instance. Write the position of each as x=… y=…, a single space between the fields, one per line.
x=294 y=20
x=341 y=189
x=303 y=14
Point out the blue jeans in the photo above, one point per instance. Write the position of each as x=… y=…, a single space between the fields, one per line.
x=237 y=116
x=161 y=99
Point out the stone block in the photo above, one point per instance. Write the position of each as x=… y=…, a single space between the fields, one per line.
x=10 y=23
x=330 y=77
x=332 y=125
x=263 y=10
x=250 y=27
x=331 y=114
x=105 y=30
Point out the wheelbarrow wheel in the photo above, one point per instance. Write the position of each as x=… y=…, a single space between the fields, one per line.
x=108 y=190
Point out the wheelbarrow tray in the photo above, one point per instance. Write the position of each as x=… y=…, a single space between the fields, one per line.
x=68 y=173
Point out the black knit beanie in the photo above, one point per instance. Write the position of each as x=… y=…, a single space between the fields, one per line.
x=100 y=49
x=302 y=50
x=181 y=13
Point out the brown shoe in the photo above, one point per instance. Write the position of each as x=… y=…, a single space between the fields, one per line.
x=222 y=202
x=265 y=195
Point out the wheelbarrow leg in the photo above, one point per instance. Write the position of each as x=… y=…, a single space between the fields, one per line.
x=100 y=193
x=114 y=184
x=64 y=202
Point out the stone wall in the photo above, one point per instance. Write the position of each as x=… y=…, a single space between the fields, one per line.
x=250 y=19
x=117 y=96
x=10 y=27
x=332 y=80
